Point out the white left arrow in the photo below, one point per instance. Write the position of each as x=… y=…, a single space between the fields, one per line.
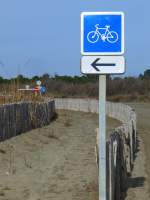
x=102 y=65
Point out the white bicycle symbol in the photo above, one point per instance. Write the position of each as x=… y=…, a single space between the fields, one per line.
x=109 y=36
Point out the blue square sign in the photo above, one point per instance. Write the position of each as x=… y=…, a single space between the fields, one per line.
x=102 y=33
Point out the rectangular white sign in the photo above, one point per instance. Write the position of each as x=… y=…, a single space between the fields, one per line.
x=102 y=65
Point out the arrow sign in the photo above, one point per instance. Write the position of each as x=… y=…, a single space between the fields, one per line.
x=102 y=64
x=96 y=63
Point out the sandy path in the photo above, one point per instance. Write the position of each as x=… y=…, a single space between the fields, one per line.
x=56 y=162
x=139 y=183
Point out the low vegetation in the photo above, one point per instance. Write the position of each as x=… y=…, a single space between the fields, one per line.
x=118 y=89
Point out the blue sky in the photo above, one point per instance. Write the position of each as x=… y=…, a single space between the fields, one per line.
x=43 y=36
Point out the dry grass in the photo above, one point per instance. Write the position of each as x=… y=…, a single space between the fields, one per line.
x=129 y=98
x=19 y=97
x=10 y=94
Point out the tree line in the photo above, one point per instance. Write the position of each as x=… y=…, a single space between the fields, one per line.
x=71 y=79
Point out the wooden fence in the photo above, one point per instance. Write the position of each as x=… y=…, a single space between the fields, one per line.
x=121 y=145
x=17 y=118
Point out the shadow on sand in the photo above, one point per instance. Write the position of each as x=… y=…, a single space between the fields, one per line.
x=135 y=182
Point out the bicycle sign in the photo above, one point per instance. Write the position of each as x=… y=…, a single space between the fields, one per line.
x=102 y=33
x=109 y=36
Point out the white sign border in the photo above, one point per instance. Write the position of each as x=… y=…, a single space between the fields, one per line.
x=102 y=53
x=110 y=73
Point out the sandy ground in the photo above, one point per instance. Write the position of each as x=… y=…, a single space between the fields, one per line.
x=56 y=162
x=139 y=183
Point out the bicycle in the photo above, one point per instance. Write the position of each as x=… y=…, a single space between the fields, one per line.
x=109 y=36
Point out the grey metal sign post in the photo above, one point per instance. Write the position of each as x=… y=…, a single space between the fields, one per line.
x=102 y=44
x=102 y=137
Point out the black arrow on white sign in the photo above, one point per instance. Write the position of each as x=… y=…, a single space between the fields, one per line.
x=96 y=64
